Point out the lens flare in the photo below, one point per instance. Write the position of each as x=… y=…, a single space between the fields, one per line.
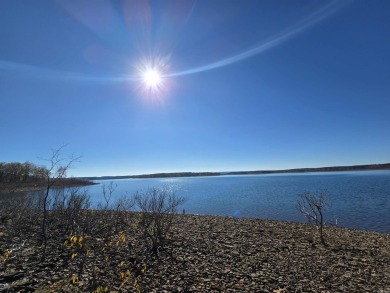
x=152 y=76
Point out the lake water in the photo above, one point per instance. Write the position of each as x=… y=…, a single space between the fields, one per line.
x=359 y=199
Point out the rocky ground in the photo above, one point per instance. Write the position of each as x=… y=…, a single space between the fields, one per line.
x=202 y=254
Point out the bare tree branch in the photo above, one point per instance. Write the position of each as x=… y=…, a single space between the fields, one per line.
x=313 y=207
x=157 y=207
x=58 y=167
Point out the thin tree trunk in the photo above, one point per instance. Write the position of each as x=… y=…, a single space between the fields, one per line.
x=44 y=220
x=321 y=230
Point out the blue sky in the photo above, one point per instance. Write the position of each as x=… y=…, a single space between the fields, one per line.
x=246 y=85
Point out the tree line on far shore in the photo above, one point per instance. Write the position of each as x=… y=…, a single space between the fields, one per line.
x=16 y=172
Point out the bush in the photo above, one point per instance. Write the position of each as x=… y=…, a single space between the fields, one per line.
x=313 y=207
x=157 y=207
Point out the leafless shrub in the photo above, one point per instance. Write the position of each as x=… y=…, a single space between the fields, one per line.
x=58 y=167
x=77 y=202
x=122 y=207
x=108 y=191
x=158 y=207
x=312 y=207
x=124 y=204
x=17 y=213
x=114 y=212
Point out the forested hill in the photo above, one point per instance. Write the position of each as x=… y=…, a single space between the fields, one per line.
x=16 y=176
x=298 y=170
x=321 y=169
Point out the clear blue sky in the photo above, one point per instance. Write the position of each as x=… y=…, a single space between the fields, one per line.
x=246 y=85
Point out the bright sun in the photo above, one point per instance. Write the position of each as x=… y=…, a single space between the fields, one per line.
x=152 y=78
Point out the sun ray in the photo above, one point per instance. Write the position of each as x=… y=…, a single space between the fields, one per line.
x=152 y=76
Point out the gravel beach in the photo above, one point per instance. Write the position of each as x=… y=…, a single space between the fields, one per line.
x=212 y=254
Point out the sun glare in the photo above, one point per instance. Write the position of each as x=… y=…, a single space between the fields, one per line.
x=152 y=78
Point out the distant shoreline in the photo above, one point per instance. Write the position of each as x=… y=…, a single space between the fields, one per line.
x=370 y=167
x=8 y=188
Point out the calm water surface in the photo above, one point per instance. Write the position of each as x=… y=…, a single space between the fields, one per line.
x=359 y=199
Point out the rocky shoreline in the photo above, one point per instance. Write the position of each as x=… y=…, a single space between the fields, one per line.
x=209 y=254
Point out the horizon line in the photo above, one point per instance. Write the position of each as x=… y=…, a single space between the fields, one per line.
x=361 y=167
